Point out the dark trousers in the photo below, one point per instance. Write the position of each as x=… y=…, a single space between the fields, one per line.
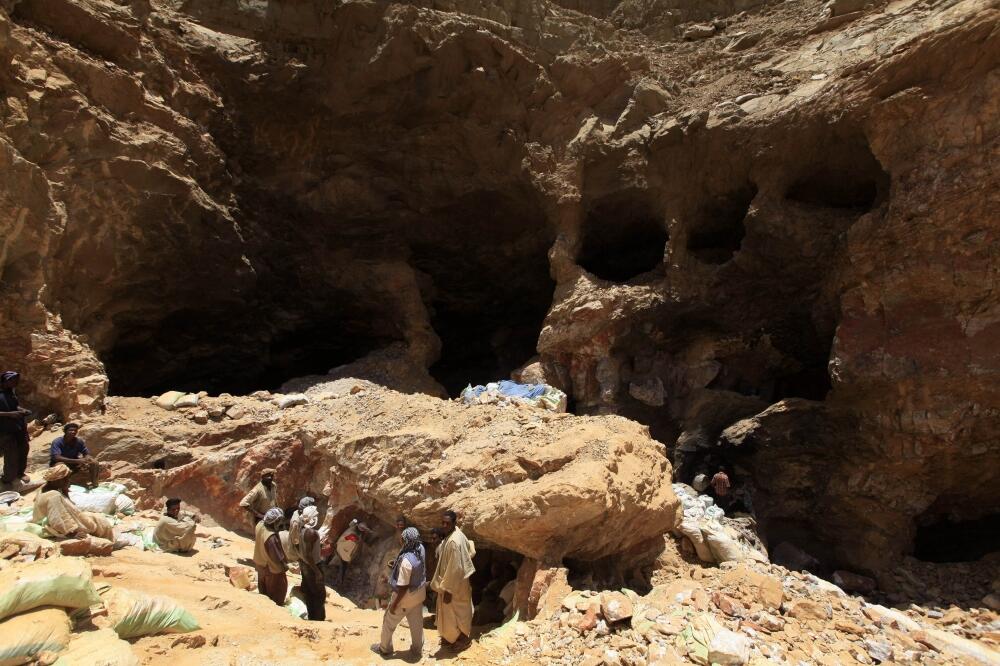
x=274 y=586
x=15 y=456
x=314 y=591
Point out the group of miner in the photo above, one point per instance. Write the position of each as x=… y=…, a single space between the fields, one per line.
x=279 y=541
x=306 y=542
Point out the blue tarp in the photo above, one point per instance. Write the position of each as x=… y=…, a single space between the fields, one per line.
x=508 y=388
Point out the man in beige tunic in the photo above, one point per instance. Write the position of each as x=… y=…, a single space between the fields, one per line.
x=262 y=497
x=175 y=533
x=62 y=517
x=451 y=582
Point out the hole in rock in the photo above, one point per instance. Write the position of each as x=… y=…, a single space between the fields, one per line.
x=228 y=348
x=494 y=570
x=718 y=231
x=801 y=370
x=606 y=574
x=487 y=259
x=945 y=540
x=848 y=177
x=622 y=237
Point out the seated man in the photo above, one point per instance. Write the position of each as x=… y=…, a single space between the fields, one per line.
x=175 y=533
x=62 y=517
x=71 y=451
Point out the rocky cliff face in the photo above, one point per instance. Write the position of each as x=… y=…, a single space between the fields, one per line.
x=770 y=225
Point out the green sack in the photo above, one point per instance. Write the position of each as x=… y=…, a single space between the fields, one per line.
x=57 y=581
x=133 y=614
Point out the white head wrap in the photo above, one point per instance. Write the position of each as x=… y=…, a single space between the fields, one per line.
x=310 y=516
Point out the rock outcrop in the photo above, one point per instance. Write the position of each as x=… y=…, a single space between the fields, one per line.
x=795 y=206
x=546 y=486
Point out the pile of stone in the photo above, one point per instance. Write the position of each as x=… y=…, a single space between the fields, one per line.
x=745 y=613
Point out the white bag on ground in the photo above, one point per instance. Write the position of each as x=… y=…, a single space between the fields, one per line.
x=125 y=505
x=95 y=501
x=56 y=581
x=98 y=648
x=24 y=636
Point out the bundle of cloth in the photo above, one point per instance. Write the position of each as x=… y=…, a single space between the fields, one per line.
x=511 y=392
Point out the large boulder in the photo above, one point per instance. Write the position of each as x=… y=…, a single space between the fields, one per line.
x=544 y=485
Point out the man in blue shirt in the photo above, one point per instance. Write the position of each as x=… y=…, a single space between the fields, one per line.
x=71 y=451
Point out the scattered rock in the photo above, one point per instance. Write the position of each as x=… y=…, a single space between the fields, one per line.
x=878 y=650
x=729 y=648
x=992 y=601
x=236 y=412
x=807 y=609
x=699 y=31
x=852 y=582
x=615 y=606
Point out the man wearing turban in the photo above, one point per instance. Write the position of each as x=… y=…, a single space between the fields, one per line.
x=261 y=497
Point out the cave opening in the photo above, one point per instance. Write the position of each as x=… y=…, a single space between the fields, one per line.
x=719 y=227
x=493 y=585
x=942 y=539
x=227 y=349
x=489 y=289
x=622 y=237
x=848 y=177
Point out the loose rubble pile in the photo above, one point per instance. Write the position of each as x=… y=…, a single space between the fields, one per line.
x=745 y=613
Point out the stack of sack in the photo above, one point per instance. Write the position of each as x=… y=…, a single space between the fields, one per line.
x=706 y=527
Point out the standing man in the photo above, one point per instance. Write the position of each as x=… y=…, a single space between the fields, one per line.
x=175 y=533
x=13 y=431
x=71 y=451
x=451 y=582
x=269 y=558
x=295 y=523
x=409 y=588
x=261 y=498
x=313 y=585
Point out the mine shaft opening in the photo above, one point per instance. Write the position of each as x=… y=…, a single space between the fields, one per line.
x=847 y=177
x=491 y=585
x=943 y=540
x=718 y=231
x=233 y=349
x=607 y=574
x=622 y=237
x=489 y=289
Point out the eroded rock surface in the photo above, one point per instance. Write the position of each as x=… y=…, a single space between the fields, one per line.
x=796 y=205
x=547 y=486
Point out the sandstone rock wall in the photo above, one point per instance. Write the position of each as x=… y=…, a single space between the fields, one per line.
x=547 y=486
x=685 y=226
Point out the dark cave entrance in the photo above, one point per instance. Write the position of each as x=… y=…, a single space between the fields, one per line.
x=227 y=348
x=495 y=569
x=719 y=229
x=943 y=540
x=490 y=289
x=623 y=236
x=848 y=177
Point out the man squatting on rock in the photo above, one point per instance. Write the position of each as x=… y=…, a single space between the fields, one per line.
x=71 y=450
x=13 y=431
